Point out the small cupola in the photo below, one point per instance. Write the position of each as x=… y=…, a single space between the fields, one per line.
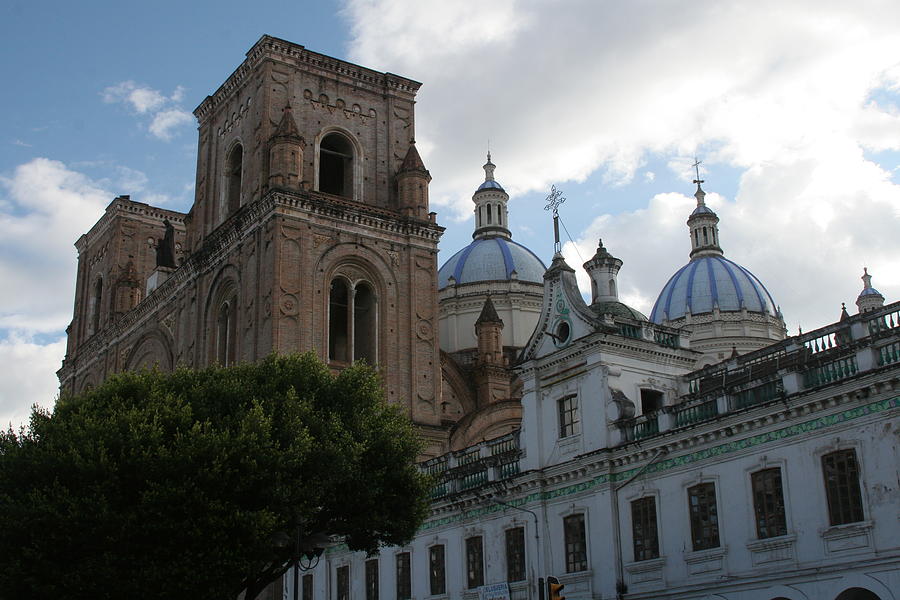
x=491 y=217
x=704 y=227
x=603 y=268
x=869 y=298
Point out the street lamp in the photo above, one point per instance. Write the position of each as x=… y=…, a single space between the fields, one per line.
x=310 y=549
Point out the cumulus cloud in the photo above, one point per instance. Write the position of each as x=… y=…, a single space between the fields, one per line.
x=165 y=111
x=44 y=208
x=28 y=377
x=166 y=121
x=789 y=96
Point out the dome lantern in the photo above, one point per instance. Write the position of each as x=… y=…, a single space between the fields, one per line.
x=491 y=218
x=704 y=227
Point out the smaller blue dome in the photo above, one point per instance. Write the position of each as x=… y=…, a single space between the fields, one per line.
x=702 y=210
x=710 y=281
x=870 y=291
x=490 y=185
x=492 y=259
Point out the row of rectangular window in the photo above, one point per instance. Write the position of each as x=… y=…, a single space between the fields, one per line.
x=841 y=474
x=437 y=576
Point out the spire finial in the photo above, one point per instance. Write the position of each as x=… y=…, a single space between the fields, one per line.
x=700 y=195
x=489 y=168
x=554 y=199
x=867 y=279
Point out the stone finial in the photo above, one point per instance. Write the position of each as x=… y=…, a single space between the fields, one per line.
x=412 y=161
x=489 y=168
x=287 y=127
x=844 y=314
x=488 y=313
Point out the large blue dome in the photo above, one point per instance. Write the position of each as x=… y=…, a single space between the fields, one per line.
x=707 y=281
x=492 y=259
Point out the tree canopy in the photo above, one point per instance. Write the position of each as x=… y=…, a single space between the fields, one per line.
x=189 y=484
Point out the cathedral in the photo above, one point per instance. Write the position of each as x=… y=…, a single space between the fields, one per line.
x=697 y=453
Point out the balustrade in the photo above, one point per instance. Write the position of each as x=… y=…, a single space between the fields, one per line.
x=889 y=354
x=831 y=371
x=756 y=395
x=694 y=413
x=646 y=425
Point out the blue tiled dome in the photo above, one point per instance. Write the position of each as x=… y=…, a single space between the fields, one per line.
x=490 y=185
x=492 y=259
x=709 y=280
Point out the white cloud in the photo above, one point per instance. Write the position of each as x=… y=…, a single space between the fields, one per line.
x=130 y=179
x=141 y=98
x=28 y=377
x=44 y=208
x=164 y=122
x=789 y=94
x=167 y=114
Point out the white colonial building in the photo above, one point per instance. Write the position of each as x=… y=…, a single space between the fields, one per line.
x=642 y=471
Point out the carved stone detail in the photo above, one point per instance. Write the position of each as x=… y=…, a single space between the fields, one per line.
x=289 y=305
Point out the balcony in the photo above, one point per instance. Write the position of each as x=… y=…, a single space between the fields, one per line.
x=475 y=466
x=839 y=352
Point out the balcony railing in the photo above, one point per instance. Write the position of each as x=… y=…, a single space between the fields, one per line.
x=689 y=414
x=646 y=425
x=475 y=466
x=757 y=395
x=830 y=372
x=835 y=353
x=888 y=355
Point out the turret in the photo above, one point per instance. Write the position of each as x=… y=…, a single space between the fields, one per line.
x=492 y=380
x=286 y=153
x=603 y=268
x=412 y=184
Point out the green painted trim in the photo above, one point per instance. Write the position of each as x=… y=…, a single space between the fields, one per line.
x=678 y=461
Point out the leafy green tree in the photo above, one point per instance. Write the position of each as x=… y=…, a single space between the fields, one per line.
x=190 y=484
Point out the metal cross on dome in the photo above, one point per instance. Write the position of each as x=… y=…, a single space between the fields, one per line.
x=554 y=199
x=696 y=165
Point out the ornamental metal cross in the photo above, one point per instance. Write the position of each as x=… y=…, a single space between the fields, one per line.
x=553 y=201
x=696 y=166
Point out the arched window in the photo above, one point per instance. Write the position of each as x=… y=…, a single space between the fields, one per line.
x=489 y=214
x=612 y=287
x=336 y=165
x=225 y=330
x=352 y=322
x=234 y=166
x=96 y=300
x=705 y=236
x=364 y=323
x=338 y=326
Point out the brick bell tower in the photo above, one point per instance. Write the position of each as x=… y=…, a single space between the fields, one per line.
x=310 y=230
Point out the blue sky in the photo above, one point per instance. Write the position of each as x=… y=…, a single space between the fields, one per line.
x=793 y=107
